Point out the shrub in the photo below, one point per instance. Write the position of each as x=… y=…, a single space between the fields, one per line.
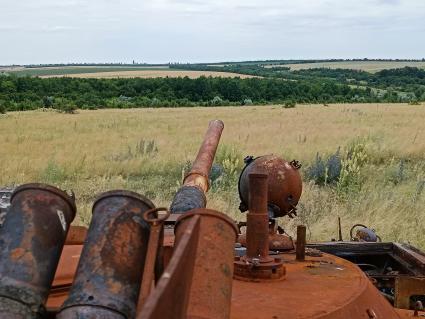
x=228 y=166
x=398 y=175
x=289 y=104
x=247 y=102
x=350 y=178
x=2 y=108
x=217 y=101
x=324 y=172
x=65 y=106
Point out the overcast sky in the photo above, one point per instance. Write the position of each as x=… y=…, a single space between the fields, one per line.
x=156 y=31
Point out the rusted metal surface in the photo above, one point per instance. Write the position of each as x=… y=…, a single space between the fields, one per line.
x=198 y=175
x=188 y=198
x=155 y=241
x=363 y=233
x=278 y=239
x=64 y=276
x=405 y=288
x=195 y=184
x=211 y=288
x=258 y=264
x=257 y=220
x=76 y=235
x=31 y=240
x=109 y=273
x=170 y=297
x=301 y=242
x=405 y=314
x=285 y=185
x=324 y=287
x=413 y=256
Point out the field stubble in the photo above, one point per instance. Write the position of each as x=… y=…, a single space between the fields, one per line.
x=147 y=150
x=368 y=66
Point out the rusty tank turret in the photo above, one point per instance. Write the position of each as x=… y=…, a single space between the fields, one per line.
x=188 y=261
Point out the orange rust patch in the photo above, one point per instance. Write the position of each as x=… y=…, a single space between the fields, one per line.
x=17 y=253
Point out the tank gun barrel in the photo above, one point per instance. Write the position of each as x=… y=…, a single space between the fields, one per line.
x=195 y=184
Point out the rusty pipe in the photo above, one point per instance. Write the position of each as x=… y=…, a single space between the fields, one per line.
x=212 y=278
x=301 y=242
x=195 y=184
x=198 y=175
x=108 y=277
x=31 y=241
x=257 y=219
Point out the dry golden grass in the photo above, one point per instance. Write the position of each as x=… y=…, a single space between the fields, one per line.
x=151 y=74
x=369 y=66
x=95 y=151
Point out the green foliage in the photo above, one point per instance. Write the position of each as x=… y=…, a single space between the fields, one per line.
x=247 y=102
x=324 y=172
x=289 y=104
x=2 y=108
x=142 y=149
x=64 y=105
x=341 y=171
x=398 y=174
x=229 y=159
x=350 y=178
x=305 y=86
x=53 y=173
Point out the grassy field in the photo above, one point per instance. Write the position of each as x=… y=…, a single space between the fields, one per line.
x=369 y=66
x=66 y=70
x=147 y=150
x=151 y=73
x=113 y=72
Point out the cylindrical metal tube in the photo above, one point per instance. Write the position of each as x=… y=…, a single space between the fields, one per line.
x=192 y=194
x=108 y=276
x=257 y=219
x=31 y=241
x=198 y=175
x=301 y=242
x=211 y=289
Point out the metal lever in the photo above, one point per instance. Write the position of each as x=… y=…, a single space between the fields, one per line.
x=156 y=222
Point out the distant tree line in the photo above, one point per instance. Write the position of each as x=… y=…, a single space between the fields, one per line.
x=400 y=85
x=25 y=93
x=275 y=85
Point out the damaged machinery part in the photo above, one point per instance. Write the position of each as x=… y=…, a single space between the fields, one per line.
x=284 y=184
x=31 y=241
x=197 y=282
x=156 y=237
x=211 y=290
x=258 y=265
x=192 y=194
x=176 y=277
x=301 y=242
x=107 y=281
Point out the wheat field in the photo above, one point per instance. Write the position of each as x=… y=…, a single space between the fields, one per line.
x=368 y=66
x=147 y=150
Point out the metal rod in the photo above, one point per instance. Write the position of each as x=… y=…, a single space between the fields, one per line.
x=192 y=194
x=155 y=240
x=198 y=175
x=257 y=220
x=339 y=229
x=301 y=242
